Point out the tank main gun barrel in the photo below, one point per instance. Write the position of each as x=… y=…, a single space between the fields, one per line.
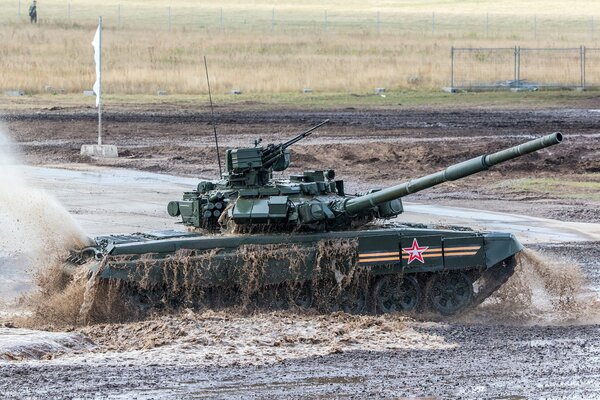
x=273 y=152
x=452 y=173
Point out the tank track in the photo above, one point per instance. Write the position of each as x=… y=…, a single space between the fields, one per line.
x=279 y=296
x=494 y=277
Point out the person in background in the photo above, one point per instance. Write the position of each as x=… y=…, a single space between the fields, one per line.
x=33 y=12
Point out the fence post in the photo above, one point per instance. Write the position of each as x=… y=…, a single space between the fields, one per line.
x=273 y=20
x=535 y=27
x=325 y=20
x=515 y=65
x=593 y=28
x=69 y=12
x=19 y=11
x=487 y=25
x=452 y=68
x=378 y=23
x=221 y=18
x=518 y=66
x=584 y=65
x=581 y=67
x=432 y=23
x=169 y=18
x=119 y=17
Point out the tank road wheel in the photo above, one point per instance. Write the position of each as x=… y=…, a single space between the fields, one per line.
x=272 y=297
x=353 y=301
x=222 y=297
x=394 y=293
x=449 y=293
x=302 y=295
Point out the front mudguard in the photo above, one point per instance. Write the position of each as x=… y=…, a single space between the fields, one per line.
x=500 y=246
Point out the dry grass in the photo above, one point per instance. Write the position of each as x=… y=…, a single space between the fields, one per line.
x=349 y=54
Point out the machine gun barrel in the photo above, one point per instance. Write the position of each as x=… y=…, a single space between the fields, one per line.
x=275 y=152
x=452 y=173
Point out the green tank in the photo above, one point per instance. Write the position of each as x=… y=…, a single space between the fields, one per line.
x=302 y=241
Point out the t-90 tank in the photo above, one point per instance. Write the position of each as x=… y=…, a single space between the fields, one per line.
x=303 y=242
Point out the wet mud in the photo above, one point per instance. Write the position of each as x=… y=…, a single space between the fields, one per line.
x=545 y=289
x=368 y=148
x=536 y=337
x=254 y=277
x=537 y=334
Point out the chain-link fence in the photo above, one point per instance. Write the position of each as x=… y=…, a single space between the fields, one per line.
x=591 y=67
x=154 y=16
x=523 y=68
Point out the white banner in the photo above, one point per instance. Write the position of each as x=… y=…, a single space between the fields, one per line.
x=97 y=50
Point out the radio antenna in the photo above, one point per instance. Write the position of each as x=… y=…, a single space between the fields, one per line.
x=214 y=123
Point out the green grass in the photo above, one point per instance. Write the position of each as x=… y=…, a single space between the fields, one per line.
x=392 y=100
x=586 y=187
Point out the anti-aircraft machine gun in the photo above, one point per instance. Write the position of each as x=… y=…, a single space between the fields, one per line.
x=406 y=269
x=249 y=176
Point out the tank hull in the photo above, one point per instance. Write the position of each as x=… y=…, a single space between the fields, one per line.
x=363 y=263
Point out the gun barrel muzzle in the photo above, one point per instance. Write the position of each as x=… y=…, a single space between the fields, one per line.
x=452 y=173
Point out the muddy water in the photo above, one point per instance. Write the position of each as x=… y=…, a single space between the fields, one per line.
x=32 y=221
x=304 y=353
x=225 y=338
x=544 y=289
x=34 y=227
x=527 y=229
x=26 y=344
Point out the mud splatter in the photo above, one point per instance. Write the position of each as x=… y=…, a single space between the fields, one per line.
x=34 y=227
x=543 y=289
x=228 y=337
x=252 y=277
x=57 y=300
x=31 y=220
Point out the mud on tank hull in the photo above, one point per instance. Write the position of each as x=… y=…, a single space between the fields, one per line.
x=400 y=269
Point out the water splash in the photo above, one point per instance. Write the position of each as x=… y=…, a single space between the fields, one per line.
x=34 y=226
x=543 y=290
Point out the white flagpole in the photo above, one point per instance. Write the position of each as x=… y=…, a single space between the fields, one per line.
x=99 y=150
x=99 y=81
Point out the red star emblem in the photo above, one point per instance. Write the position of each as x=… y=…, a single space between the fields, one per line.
x=415 y=252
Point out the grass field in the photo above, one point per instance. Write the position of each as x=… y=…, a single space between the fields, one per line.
x=279 y=47
x=585 y=187
x=400 y=99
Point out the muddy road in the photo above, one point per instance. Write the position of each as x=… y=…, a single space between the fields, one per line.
x=539 y=338
x=488 y=362
x=367 y=148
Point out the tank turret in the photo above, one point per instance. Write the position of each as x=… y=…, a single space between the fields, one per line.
x=249 y=176
x=248 y=195
x=301 y=248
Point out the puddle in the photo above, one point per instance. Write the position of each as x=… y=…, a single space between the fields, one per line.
x=528 y=229
x=26 y=344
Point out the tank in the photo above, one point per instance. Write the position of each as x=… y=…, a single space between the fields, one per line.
x=302 y=241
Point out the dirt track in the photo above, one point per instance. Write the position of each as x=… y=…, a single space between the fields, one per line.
x=488 y=354
x=490 y=362
x=367 y=148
